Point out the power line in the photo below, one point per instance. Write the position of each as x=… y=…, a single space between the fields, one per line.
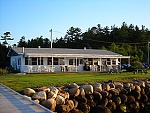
x=58 y=32
x=118 y=42
x=108 y=41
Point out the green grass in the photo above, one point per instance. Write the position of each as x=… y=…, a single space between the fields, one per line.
x=19 y=82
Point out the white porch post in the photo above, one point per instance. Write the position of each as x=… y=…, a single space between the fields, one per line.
x=128 y=60
x=40 y=64
x=120 y=63
x=100 y=64
x=52 y=62
x=28 y=64
x=76 y=64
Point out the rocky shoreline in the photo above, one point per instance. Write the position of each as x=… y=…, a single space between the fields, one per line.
x=105 y=97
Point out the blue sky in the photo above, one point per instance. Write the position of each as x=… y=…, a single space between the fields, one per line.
x=33 y=18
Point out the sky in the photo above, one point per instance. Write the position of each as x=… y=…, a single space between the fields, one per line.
x=34 y=18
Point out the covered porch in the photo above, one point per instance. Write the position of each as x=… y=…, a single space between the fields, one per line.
x=36 y=64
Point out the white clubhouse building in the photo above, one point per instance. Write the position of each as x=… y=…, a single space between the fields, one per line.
x=45 y=60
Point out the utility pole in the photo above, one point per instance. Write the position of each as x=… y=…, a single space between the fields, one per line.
x=51 y=38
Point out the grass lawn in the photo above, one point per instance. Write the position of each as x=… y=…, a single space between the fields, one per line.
x=19 y=82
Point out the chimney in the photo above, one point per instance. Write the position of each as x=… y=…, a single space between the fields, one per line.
x=22 y=49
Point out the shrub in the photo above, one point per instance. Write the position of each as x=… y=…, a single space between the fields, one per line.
x=135 y=65
x=3 y=71
x=10 y=69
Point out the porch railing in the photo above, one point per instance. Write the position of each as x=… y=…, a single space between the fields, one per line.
x=36 y=69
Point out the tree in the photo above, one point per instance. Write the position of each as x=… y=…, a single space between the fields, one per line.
x=22 y=42
x=74 y=37
x=3 y=56
x=113 y=47
x=6 y=37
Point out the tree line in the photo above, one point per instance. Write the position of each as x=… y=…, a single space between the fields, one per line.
x=127 y=40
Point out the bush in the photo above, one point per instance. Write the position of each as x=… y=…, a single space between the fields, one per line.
x=3 y=71
x=135 y=65
x=10 y=69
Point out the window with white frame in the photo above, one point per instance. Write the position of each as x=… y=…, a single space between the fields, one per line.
x=61 y=61
x=71 y=62
x=55 y=61
x=19 y=61
x=34 y=61
x=104 y=61
x=40 y=60
x=49 y=61
x=108 y=61
x=113 y=61
x=79 y=62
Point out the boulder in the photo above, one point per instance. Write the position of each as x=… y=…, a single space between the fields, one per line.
x=102 y=109
x=97 y=96
x=76 y=111
x=137 y=88
x=53 y=93
x=82 y=92
x=70 y=103
x=43 y=88
x=75 y=103
x=36 y=101
x=112 y=86
x=126 y=85
x=27 y=97
x=60 y=100
x=85 y=108
x=114 y=92
x=62 y=109
x=105 y=94
x=118 y=85
x=111 y=105
x=124 y=98
x=97 y=86
x=39 y=95
x=73 y=85
x=49 y=103
x=28 y=92
x=74 y=91
x=81 y=99
x=88 y=89
x=106 y=87
x=104 y=102
x=64 y=94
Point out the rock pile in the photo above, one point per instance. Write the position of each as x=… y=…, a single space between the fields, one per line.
x=106 y=97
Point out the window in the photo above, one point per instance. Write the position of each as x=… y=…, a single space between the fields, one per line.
x=40 y=60
x=90 y=60
x=34 y=60
x=113 y=61
x=61 y=61
x=108 y=61
x=27 y=61
x=55 y=61
x=95 y=61
x=79 y=62
x=70 y=61
x=19 y=61
x=104 y=62
x=49 y=61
